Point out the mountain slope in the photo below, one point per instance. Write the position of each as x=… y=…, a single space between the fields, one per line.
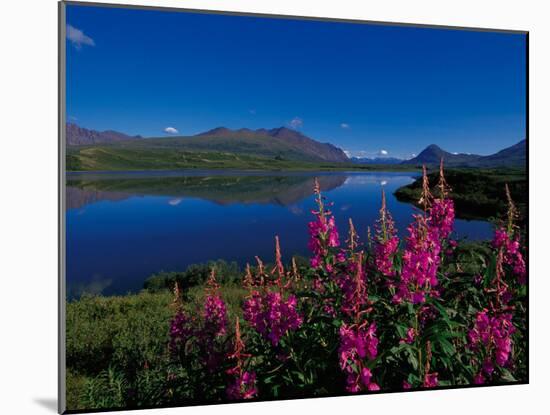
x=82 y=136
x=514 y=156
x=282 y=142
x=432 y=155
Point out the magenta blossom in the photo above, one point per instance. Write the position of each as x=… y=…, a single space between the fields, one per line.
x=430 y=380
x=271 y=315
x=243 y=387
x=492 y=337
x=323 y=234
x=181 y=331
x=512 y=254
x=421 y=260
x=479 y=379
x=356 y=344
x=409 y=337
x=442 y=217
x=215 y=315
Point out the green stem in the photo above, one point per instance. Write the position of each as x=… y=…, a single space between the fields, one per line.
x=418 y=345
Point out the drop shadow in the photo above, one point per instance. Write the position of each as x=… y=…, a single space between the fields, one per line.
x=48 y=403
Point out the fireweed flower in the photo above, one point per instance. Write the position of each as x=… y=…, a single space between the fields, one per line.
x=180 y=332
x=358 y=340
x=507 y=240
x=479 y=379
x=215 y=313
x=243 y=387
x=421 y=257
x=430 y=380
x=442 y=211
x=421 y=260
x=181 y=328
x=510 y=246
x=491 y=338
x=323 y=233
x=243 y=383
x=442 y=215
x=409 y=336
x=214 y=325
x=271 y=315
x=354 y=291
x=386 y=241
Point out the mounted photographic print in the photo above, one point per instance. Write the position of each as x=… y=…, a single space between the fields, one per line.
x=260 y=207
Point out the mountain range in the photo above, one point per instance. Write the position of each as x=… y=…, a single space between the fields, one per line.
x=277 y=144
x=82 y=136
x=515 y=155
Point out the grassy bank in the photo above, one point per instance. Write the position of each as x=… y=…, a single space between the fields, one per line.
x=107 y=335
x=130 y=332
x=477 y=193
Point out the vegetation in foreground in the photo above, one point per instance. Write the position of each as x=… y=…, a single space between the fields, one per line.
x=359 y=317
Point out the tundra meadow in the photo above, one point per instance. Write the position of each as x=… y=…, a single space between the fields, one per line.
x=382 y=314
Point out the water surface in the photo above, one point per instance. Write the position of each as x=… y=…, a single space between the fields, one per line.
x=123 y=227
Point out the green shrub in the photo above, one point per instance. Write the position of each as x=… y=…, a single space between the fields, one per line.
x=194 y=275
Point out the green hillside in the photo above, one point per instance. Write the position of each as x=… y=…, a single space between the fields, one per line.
x=112 y=157
x=125 y=157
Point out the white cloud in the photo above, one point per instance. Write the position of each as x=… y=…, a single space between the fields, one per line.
x=175 y=202
x=296 y=123
x=455 y=153
x=383 y=152
x=78 y=38
x=344 y=126
x=170 y=130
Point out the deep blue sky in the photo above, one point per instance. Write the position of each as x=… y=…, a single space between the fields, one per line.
x=364 y=88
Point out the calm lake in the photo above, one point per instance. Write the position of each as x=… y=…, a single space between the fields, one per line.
x=123 y=227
